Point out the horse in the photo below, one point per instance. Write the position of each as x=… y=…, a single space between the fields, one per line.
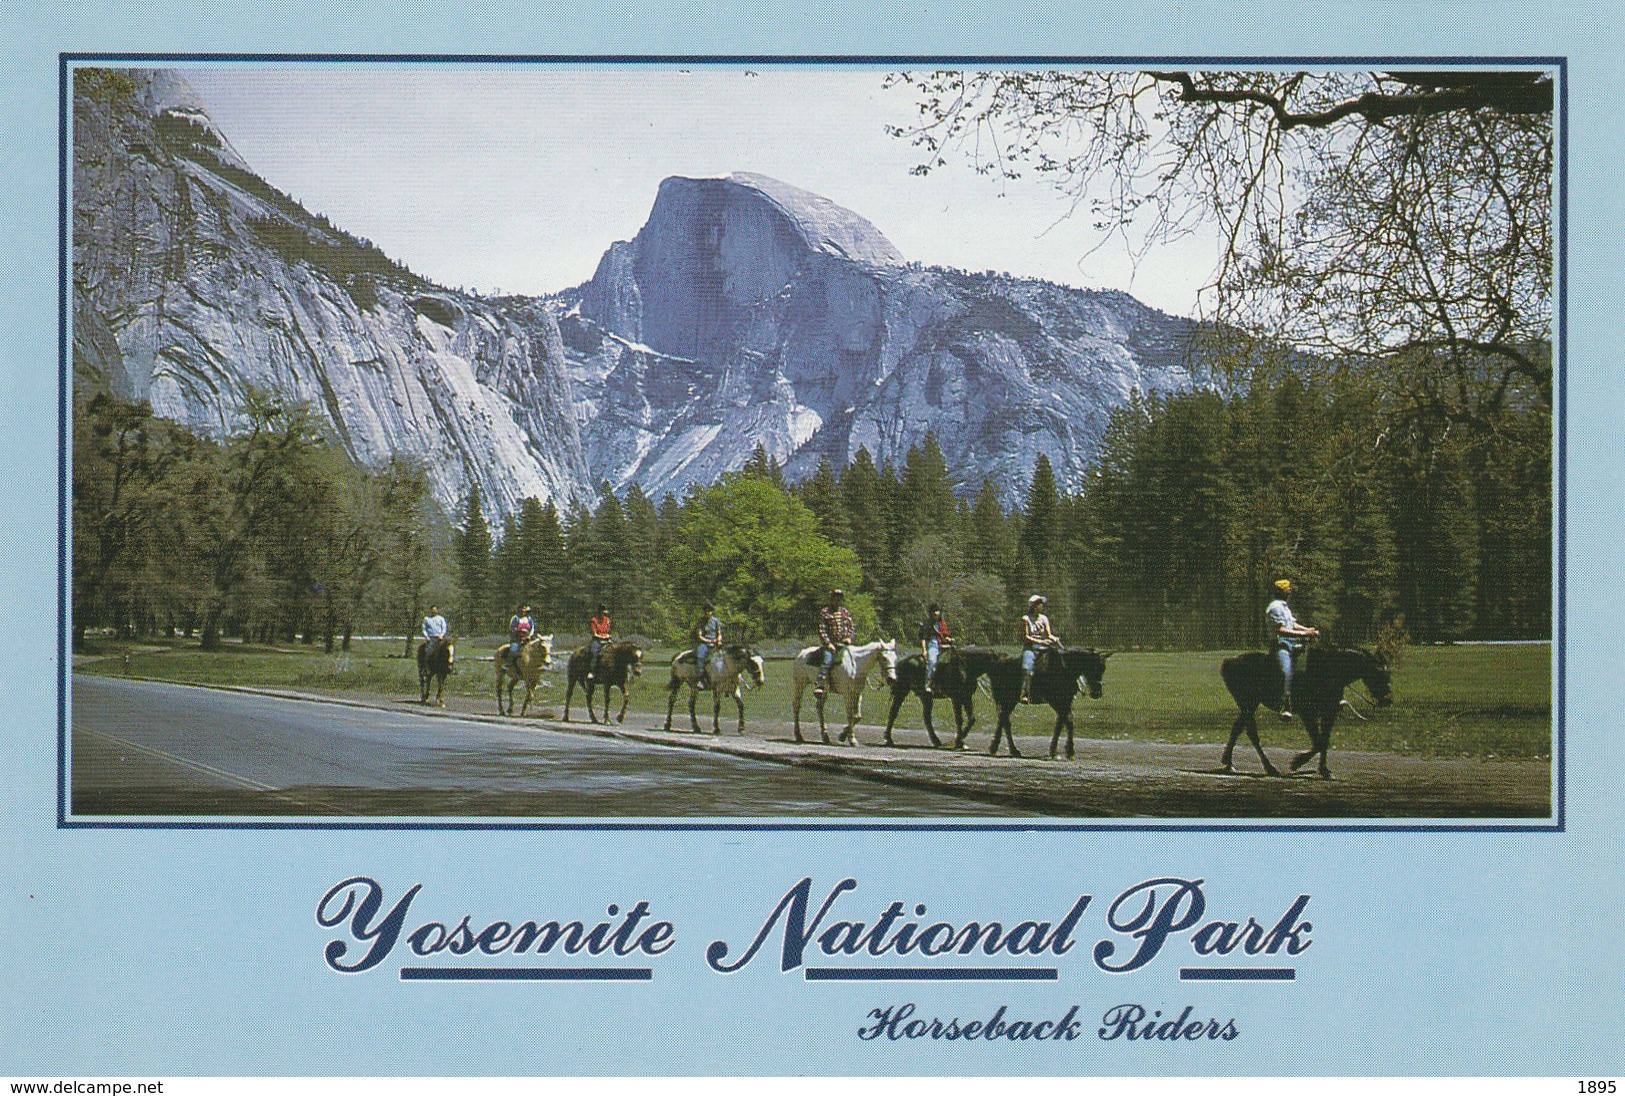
x=846 y=677
x=1057 y=677
x=615 y=663
x=958 y=671
x=535 y=655
x=728 y=665
x=436 y=668
x=1255 y=678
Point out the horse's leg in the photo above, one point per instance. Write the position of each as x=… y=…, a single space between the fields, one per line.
x=897 y=698
x=671 y=699
x=1227 y=760
x=626 y=698
x=1310 y=722
x=530 y=691
x=740 y=701
x=797 y=688
x=499 y=691
x=962 y=730
x=569 y=691
x=1258 y=747
x=1325 y=742
x=693 y=720
x=1055 y=736
x=999 y=728
x=823 y=730
x=926 y=704
x=849 y=736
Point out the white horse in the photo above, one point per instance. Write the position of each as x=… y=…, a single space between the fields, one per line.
x=728 y=665
x=847 y=678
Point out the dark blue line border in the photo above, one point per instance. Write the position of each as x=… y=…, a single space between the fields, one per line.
x=931 y=974
x=1237 y=974
x=1558 y=824
x=526 y=974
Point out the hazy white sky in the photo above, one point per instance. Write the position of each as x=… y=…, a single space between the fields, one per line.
x=518 y=177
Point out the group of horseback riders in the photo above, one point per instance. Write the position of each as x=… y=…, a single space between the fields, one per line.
x=836 y=631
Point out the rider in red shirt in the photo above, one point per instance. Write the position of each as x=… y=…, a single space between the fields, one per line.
x=600 y=636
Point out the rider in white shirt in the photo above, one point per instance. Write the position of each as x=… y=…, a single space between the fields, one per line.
x=1289 y=637
x=434 y=630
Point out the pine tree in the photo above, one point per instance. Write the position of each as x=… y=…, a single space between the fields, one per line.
x=862 y=492
x=471 y=551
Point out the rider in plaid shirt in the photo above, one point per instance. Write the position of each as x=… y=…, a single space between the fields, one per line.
x=835 y=631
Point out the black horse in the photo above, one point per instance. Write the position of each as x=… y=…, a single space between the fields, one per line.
x=616 y=663
x=1255 y=678
x=435 y=668
x=1055 y=682
x=958 y=671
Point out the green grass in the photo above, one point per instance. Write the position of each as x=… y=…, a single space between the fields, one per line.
x=1492 y=702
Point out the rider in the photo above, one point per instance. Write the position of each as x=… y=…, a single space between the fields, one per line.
x=1036 y=636
x=835 y=632
x=1289 y=635
x=520 y=628
x=434 y=631
x=601 y=635
x=708 y=637
x=934 y=638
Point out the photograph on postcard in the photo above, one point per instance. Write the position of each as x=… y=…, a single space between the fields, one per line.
x=814 y=442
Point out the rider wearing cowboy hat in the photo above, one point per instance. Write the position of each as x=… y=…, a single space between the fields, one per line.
x=520 y=628
x=835 y=632
x=1036 y=636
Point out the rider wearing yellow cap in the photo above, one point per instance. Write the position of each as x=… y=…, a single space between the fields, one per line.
x=1289 y=636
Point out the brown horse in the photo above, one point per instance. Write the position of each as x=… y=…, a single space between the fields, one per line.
x=436 y=668
x=616 y=662
x=534 y=656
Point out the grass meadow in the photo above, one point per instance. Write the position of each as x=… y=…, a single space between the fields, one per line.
x=1490 y=701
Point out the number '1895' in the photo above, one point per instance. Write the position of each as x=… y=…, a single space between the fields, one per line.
x=1596 y=1088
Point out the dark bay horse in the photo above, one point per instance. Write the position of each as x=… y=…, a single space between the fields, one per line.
x=1056 y=675
x=436 y=668
x=535 y=655
x=958 y=671
x=617 y=662
x=729 y=665
x=1255 y=679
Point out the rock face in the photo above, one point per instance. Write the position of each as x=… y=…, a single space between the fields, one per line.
x=195 y=281
x=748 y=312
x=745 y=312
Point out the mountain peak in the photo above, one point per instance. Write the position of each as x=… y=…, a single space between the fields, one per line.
x=822 y=224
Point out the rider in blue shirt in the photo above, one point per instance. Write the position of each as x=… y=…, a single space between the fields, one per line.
x=708 y=637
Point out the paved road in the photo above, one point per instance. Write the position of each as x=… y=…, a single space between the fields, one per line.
x=151 y=748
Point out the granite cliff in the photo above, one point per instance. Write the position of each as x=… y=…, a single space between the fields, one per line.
x=194 y=281
x=745 y=311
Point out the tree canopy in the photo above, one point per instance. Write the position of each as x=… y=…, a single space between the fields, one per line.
x=1399 y=217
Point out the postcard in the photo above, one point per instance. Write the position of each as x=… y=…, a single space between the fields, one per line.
x=951 y=553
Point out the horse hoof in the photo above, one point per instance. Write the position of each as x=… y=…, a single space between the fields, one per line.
x=1326 y=774
x=1269 y=770
x=1297 y=762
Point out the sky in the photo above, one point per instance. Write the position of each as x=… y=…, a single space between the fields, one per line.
x=516 y=178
